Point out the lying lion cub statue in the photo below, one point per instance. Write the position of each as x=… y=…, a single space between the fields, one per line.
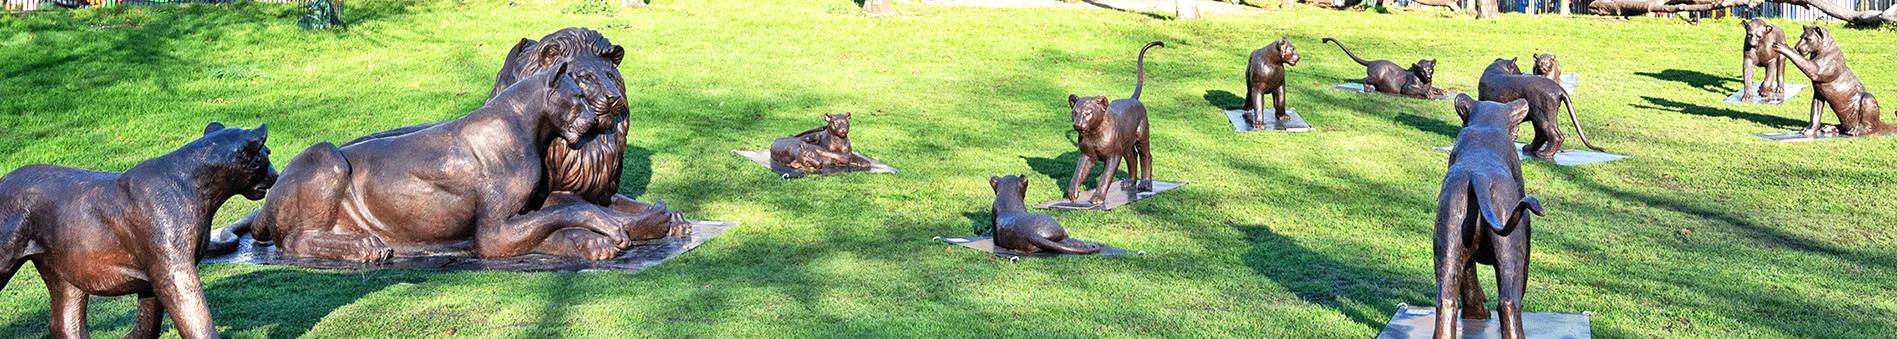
x=1018 y=230
x=138 y=232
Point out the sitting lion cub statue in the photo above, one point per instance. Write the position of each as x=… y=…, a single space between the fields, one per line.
x=138 y=232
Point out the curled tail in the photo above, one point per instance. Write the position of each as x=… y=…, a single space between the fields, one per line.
x=1353 y=56
x=1139 y=72
x=1567 y=101
x=1498 y=200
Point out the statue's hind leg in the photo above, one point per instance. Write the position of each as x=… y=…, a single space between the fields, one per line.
x=1546 y=125
x=12 y=246
x=1474 y=302
x=1511 y=276
x=305 y=210
x=1862 y=119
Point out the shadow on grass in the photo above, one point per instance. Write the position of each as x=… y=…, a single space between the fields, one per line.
x=1700 y=80
x=1061 y=168
x=1676 y=106
x=980 y=222
x=1437 y=127
x=1316 y=279
x=1790 y=313
x=635 y=171
x=1765 y=236
x=285 y=303
x=289 y=302
x=1224 y=100
x=1107 y=6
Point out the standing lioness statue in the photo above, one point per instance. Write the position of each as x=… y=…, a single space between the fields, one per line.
x=138 y=232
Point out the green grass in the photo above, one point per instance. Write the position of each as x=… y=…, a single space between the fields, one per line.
x=1279 y=235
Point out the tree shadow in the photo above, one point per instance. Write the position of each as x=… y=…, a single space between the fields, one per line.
x=1061 y=168
x=1316 y=279
x=635 y=171
x=1700 y=80
x=289 y=302
x=1224 y=100
x=1428 y=125
x=1682 y=107
x=1127 y=10
x=980 y=222
x=1764 y=235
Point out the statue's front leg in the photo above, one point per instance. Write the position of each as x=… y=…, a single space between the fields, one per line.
x=579 y=243
x=1817 y=116
x=650 y=221
x=520 y=234
x=1746 y=93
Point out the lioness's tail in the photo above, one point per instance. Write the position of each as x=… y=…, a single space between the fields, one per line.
x=1353 y=56
x=1063 y=247
x=1567 y=101
x=1139 y=81
x=225 y=240
x=13 y=244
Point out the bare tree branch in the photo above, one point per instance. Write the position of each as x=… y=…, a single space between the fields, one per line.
x=1640 y=7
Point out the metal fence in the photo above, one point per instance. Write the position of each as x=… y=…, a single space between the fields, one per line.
x=32 y=5
x=1768 y=10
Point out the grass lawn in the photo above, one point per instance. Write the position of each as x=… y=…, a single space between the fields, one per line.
x=1705 y=232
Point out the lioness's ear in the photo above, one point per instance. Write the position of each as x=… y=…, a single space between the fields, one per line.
x=1024 y=183
x=1517 y=110
x=1071 y=99
x=994 y=182
x=1101 y=99
x=614 y=54
x=213 y=127
x=257 y=139
x=1464 y=104
x=554 y=81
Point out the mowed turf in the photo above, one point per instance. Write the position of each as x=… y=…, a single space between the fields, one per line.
x=1706 y=232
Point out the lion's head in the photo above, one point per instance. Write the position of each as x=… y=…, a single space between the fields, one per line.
x=592 y=63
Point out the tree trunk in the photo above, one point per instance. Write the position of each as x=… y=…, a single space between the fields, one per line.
x=633 y=3
x=1289 y=3
x=1188 y=9
x=1564 y=7
x=1487 y=9
x=877 y=7
x=1640 y=7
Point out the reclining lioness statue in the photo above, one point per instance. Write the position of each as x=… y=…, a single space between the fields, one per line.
x=467 y=184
